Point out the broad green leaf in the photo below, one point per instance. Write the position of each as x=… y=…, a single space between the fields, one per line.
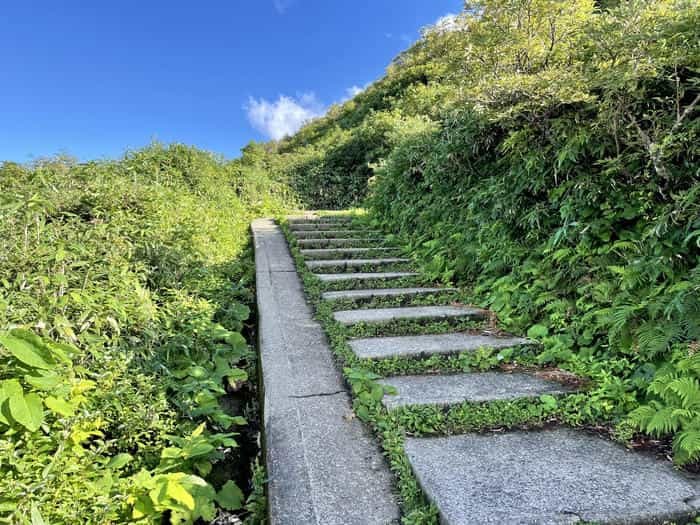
x=60 y=406
x=203 y=467
x=47 y=382
x=4 y=408
x=537 y=331
x=230 y=496
x=27 y=410
x=549 y=401
x=198 y=431
x=179 y=493
x=198 y=372
x=27 y=351
x=240 y=311
x=198 y=449
x=237 y=341
x=119 y=461
x=142 y=508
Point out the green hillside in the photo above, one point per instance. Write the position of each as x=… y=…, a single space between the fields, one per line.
x=124 y=293
x=544 y=155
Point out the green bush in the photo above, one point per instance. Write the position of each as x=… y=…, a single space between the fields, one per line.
x=544 y=155
x=123 y=293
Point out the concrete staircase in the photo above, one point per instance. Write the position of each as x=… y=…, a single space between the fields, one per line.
x=550 y=476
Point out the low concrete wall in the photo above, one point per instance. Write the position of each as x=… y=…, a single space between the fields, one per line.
x=322 y=465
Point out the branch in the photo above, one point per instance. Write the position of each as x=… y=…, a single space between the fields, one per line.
x=687 y=111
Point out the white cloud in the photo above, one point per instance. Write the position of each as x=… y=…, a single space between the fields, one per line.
x=352 y=91
x=445 y=24
x=284 y=116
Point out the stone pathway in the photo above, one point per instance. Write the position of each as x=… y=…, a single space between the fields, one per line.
x=553 y=476
x=320 y=461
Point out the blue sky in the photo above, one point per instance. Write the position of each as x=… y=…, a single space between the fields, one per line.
x=92 y=79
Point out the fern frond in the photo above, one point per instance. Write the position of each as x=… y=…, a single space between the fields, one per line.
x=663 y=423
x=688 y=390
x=641 y=416
x=686 y=446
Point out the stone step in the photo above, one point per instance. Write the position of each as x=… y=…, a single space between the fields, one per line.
x=355 y=263
x=555 y=476
x=364 y=276
x=478 y=387
x=326 y=234
x=320 y=220
x=315 y=226
x=427 y=345
x=359 y=295
x=336 y=253
x=369 y=242
x=417 y=313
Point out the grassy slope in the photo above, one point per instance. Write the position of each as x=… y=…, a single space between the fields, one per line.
x=544 y=156
x=143 y=267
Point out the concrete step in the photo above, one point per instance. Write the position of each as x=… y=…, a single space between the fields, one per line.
x=558 y=476
x=359 y=295
x=478 y=387
x=327 y=234
x=417 y=313
x=328 y=219
x=343 y=264
x=339 y=253
x=313 y=226
x=368 y=276
x=369 y=242
x=427 y=345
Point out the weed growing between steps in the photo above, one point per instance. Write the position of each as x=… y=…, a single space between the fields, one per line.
x=127 y=385
x=587 y=408
x=366 y=268
x=437 y=299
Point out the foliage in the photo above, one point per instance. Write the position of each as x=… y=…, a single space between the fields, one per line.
x=543 y=155
x=123 y=294
x=674 y=406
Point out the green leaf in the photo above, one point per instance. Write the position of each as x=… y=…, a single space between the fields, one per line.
x=142 y=508
x=230 y=496
x=236 y=375
x=198 y=449
x=26 y=410
x=203 y=467
x=240 y=311
x=537 y=331
x=27 y=350
x=60 y=406
x=7 y=506
x=237 y=342
x=37 y=518
x=198 y=372
x=44 y=382
x=119 y=461
x=549 y=402
x=4 y=409
x=179 y=493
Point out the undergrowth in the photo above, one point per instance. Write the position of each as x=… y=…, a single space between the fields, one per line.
x=543 y=156
x=598 y=402
x=127 y=385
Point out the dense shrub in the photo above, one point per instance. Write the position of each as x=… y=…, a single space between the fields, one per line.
x=123 y=292
x=544 y=154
